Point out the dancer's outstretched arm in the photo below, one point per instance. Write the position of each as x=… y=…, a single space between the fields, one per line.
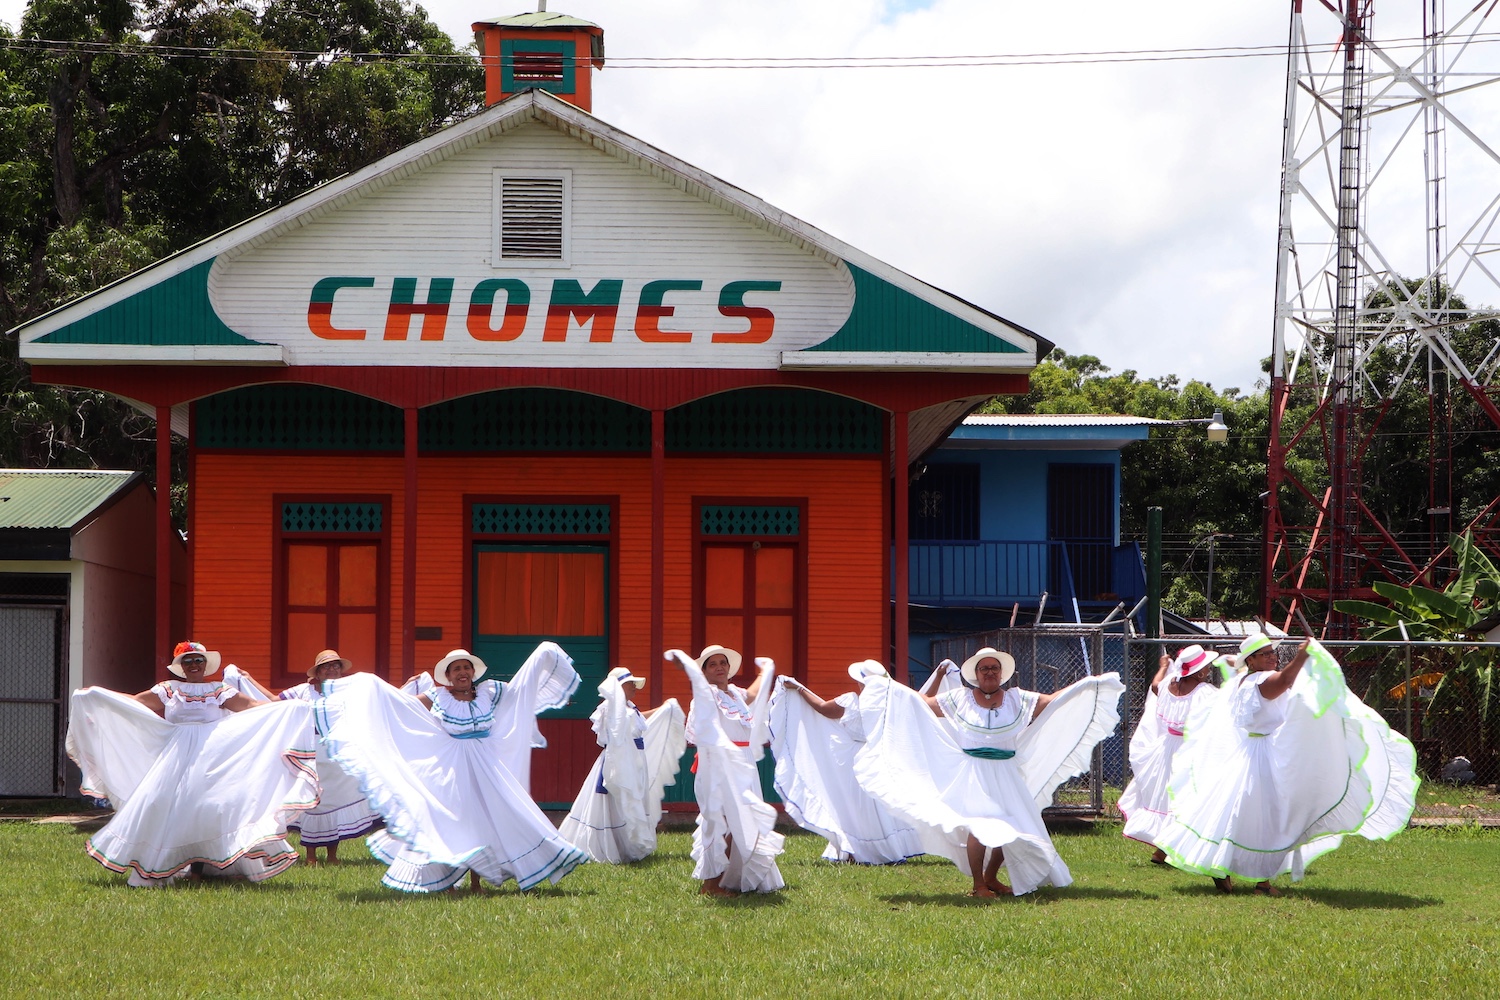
x=827 y=709
x=1280 y=682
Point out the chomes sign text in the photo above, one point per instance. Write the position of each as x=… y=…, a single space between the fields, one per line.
x=498 y=310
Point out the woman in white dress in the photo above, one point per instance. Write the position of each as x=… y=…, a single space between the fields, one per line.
x=1285 y=764
x=735 y=845
x=343 y=813
x=971 y=768
x=1179 y=693
x=434 y=768
x=814 y=742
x=615 y=815
x=200 y=786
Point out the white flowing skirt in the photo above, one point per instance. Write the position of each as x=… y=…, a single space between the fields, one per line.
x=911 y=763
x=735 y=838
x=815 y=779
x=615 y=815
x=218 y=794
x=342 y=814
x=1143 y=804
x=450 y=806
x=1263 y=806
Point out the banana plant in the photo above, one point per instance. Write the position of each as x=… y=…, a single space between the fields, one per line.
x=1464 y=711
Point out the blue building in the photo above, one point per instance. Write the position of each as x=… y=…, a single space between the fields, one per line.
x=1016 y=515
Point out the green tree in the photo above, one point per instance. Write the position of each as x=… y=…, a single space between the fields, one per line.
x=116 y=151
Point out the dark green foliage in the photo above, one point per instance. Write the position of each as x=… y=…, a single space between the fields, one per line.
x=110 y=159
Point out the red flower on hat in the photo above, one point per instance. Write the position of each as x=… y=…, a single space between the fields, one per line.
x=188 y=647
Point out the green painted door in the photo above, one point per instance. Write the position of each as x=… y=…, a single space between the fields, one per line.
x=526 y=593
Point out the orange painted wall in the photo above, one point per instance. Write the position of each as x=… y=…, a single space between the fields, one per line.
x=232 y=528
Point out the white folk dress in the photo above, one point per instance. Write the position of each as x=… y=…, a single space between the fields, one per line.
x=343 y=813
x=735 y=839
x=202 y=786
x=1263 y=786
x=982 y=772
x=615 y=815
x=439 y=780
x=815 y=779
x=545 y=681
x=1164 y=720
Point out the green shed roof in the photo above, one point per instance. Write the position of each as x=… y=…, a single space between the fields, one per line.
x=31 y=498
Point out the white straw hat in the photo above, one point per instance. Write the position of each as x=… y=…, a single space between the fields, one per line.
x=189 y=647
x=624 y=676
x=971 y=665
x=1190 y=660
x=867 y=668
x=440 y=672
x=729 y=654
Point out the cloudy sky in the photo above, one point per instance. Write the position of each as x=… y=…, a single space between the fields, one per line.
x=1126 y=210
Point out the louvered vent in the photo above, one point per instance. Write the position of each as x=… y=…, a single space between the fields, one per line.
x=532 y=214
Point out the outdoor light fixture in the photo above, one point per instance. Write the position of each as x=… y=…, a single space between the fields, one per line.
x=1218 y=430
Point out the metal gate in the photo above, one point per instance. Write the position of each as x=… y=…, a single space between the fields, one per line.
x=33 y=677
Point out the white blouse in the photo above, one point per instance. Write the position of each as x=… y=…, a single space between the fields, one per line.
x=193 y=704
x=467 y=720
x=734 y=710
x=995 y=728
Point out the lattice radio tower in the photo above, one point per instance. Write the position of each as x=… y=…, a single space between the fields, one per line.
x=1390 y=204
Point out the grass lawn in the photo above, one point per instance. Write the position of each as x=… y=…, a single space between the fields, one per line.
x=1416 y=917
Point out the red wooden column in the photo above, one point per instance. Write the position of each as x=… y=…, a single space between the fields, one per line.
x=900 y=462
x=163 y=538
x=409 y=551
x=658 y=550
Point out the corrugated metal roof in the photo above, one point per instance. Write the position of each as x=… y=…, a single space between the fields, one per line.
x=32 y=498
x=1059 y=420
x=539 y=19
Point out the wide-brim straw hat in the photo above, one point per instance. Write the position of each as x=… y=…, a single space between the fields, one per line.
x=1254 y=643
x=184 y=648
x=440 y=672
x=731 y=655
x=624 y=676
x=1190 y=660
x=867 y=668
x=328 y=656
x=971 y=665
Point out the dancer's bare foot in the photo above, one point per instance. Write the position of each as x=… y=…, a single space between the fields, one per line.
x=1159 y=857
x=1223 y=884
x=311 y=860
x=1266 y=889
x=474 y=882
x=999 y=888
x=711 y=887
x=982 y=892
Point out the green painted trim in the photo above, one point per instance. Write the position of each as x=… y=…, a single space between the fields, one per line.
x=566 y=51
x=888 y=318
x=540 y=519
x=764 y=521
x=174 y=312
x=332 y=518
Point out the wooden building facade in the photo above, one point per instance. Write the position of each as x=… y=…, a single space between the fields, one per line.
x=533 y=378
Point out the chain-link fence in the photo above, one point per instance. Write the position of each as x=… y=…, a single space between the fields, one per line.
x=33 y=665
x=1443 y=696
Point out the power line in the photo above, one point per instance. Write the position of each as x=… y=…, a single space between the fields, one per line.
x=139 y=48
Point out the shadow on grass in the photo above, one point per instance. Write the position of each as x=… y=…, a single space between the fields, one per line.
x=1364 y=899
x=1040 y=897
x=382 y=894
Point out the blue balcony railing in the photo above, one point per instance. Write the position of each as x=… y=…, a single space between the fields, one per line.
x=996 y=573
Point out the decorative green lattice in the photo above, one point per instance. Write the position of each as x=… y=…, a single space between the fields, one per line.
x=533 y=420
x=297 y=417
x=332 y=518
x=776 y=420
x=541 y=519
x=724 y=520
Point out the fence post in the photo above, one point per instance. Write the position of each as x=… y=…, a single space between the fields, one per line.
x=1407 y=655
x=1097 y=668
x=1153 y=572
